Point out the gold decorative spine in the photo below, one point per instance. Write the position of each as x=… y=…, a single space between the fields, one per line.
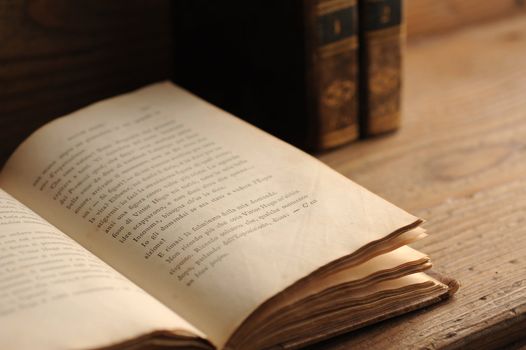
x=332 y=71
x=381 y=43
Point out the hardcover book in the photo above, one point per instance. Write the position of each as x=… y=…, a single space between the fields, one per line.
x=332 y=70
x=154 y=219
x=381 y=50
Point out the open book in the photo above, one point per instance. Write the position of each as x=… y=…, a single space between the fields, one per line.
x=155 y=219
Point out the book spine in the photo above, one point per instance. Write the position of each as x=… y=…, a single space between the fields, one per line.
x=381 y=40
x=332 y=71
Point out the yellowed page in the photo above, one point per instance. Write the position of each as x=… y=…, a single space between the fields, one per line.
x=389 y=261
x=54 y=294
x=205 y=212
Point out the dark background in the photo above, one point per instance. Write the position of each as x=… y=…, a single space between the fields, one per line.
x=57 y=55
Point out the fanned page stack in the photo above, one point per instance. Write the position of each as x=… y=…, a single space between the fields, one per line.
x=154 y=219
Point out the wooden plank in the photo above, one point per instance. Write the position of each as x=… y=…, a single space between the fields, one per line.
x=57 y=56
x=458 y=161
x=425 y=17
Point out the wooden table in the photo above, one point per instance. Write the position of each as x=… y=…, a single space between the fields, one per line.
x=459 y=161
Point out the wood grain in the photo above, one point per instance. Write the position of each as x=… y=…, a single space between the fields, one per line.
x=426 y=17
x=57 y=56
x=458 y=161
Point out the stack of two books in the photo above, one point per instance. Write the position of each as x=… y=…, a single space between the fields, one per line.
x=316 y=73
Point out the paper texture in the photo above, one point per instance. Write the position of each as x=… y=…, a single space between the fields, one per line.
x=50 y=285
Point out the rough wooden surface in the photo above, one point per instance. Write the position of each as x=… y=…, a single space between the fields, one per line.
x=459 y=161
x=57 y=56
x=425 y=17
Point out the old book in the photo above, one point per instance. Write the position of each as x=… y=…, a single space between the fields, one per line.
x=381 y=47
x=154 y=219
x=332 y=69
x=288 y=67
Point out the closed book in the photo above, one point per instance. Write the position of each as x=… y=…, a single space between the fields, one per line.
x=381 y=48
x=288 y=67
x=332 y=70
